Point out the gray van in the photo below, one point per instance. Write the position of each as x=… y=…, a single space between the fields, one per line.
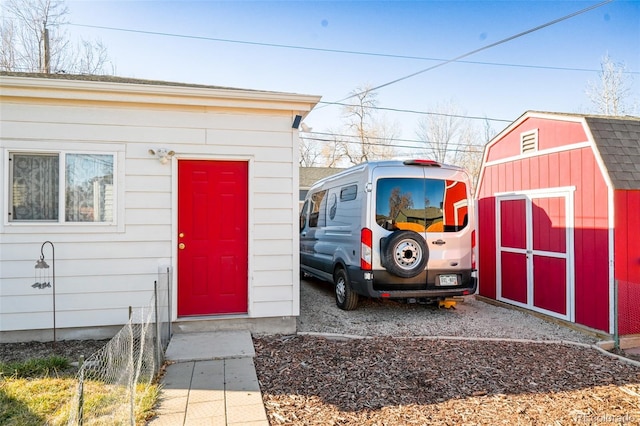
x=391 y=229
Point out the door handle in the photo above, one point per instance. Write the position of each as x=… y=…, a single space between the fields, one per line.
x=181 y=246
x=438 y=242
x=304 y=234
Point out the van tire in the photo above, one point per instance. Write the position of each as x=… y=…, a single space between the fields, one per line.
x=346 y=298
x=404 y=253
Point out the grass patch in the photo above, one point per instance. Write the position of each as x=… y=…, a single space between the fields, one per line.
x=45 y=367
x=35 y=393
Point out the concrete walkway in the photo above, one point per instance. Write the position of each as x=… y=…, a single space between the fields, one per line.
x=211 y=381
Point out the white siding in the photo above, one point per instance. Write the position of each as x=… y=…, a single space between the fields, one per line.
x=102 y=270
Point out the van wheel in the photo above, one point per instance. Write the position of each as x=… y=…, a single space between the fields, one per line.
x=404 y=253
x=346 y=298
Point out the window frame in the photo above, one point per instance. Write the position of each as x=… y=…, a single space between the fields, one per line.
x=9 y=225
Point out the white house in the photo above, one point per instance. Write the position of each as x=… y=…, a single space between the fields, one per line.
x=128 y=179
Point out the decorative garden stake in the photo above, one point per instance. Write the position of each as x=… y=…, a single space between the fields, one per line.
x=44 y=280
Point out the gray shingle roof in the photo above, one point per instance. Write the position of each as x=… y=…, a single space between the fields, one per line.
x=618 y=141
x=310 y=175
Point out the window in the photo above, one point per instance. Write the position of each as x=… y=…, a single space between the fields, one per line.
x=421 y=205
x=318 y=208
x=348 y=193
x=61 y=187
x=303 y=215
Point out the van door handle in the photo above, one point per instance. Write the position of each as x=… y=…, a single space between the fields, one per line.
x=303 y=234
x=438 y=242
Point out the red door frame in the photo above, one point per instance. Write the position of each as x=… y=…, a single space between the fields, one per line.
x=212 y=237
x=534 y=254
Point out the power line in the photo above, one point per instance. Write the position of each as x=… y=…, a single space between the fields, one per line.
x=471 y=117
x=327 y=50
x=345 y=139
x=489 y=46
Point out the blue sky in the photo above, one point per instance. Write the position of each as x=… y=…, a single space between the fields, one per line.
x=502 y=82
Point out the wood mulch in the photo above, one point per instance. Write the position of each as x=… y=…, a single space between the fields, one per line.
x=310 y=380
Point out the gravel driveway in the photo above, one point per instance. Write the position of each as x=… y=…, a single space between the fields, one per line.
x=375 y=317
x=400 y=375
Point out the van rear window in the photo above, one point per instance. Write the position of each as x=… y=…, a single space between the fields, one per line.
x=421 y=205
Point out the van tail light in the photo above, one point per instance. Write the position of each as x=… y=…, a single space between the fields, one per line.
x=366 y=236
x=473 y=249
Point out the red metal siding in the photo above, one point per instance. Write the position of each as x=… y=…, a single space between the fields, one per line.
x=627 y=260
x=577 y=168
x=591 y=245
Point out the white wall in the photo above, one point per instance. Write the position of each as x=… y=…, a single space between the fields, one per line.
x=102 y=270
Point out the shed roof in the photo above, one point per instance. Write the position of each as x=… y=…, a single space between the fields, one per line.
x=618 y=141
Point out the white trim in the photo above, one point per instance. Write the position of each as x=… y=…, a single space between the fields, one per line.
x=117 y=151
x=568 y=194
x=156 y=92
x=538 y=193
x=574 y=146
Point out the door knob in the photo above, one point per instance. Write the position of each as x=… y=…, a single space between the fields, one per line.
x=181 y=246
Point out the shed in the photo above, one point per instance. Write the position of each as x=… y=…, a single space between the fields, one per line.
x=558 y=200
x=132 y=180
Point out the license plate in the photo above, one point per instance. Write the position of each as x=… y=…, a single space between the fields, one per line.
x=448 y=280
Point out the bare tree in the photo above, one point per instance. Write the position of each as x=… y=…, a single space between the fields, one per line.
x=368 y=136
x=32 y=39
x=610 y=95
x=449 y=137
x=441 y=132
x=310 y=148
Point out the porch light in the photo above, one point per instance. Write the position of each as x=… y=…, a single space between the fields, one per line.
x=163 y=154
x=44 y=280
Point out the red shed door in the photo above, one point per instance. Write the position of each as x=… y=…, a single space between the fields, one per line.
x=212 y=237
x=534 y=256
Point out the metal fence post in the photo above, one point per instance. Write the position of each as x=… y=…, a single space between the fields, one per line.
x=158 y=335
x=81 y=391
x=169 y=303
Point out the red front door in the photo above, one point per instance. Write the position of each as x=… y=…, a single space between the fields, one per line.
x=212 y=237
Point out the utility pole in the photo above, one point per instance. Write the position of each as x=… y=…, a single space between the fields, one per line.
x=47 y=55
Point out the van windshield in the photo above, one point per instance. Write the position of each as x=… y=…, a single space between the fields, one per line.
x=421 y=205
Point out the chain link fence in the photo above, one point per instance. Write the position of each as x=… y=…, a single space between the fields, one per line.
x=116 y=383
x=627 y=315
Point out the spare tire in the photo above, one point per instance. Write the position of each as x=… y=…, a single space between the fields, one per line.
x=404 y=253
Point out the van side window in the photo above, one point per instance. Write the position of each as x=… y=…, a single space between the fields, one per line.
x=421 y=205
x=303 y=214
x=317 y=208
x=349 y=193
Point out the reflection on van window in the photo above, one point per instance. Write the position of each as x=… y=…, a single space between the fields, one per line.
x=421 y=205
x=303 y=214
x=317 y=209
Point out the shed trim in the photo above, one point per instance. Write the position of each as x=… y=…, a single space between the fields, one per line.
x=563 y=148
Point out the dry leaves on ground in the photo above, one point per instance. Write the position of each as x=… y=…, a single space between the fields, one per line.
x=308 y=380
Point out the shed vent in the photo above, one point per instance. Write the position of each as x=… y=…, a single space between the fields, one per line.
x=529 y=141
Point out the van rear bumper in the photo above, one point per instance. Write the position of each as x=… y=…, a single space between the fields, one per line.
x=423 y=285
